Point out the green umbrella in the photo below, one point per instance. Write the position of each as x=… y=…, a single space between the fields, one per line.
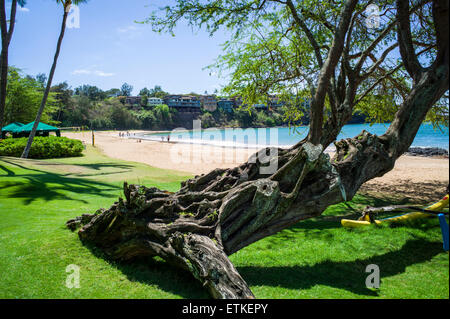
x=41 y=127
x=13 y=127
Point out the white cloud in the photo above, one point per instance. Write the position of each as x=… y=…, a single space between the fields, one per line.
x=81 y=71
x=91 y=72
x=103 y=74
x=130 y=32
x=23 y=9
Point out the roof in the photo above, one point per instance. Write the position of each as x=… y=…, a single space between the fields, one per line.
x=12 y=127
x=41 y=127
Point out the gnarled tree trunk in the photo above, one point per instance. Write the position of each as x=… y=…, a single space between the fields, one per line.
x=216 y=214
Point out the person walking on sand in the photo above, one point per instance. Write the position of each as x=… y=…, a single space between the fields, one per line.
x=168 y=138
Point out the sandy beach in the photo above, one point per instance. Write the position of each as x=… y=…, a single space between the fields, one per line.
x=412 y=176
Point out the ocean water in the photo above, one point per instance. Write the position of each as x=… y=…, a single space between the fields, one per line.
x=427 y=136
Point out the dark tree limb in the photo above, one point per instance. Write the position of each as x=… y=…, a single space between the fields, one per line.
x=327 y=71
x=410 y=60
x=6 y=35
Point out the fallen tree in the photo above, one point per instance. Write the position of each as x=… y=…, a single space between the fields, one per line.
x=216 y=214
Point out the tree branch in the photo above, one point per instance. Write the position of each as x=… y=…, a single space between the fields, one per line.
x=412 y=64
x=380 y=79
x=327 y=71
x=440 y=18
x=305 y=29
x=378 y=62
x=12 y=20
x=316 y=18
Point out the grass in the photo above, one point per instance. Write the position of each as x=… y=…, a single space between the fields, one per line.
x=316 y=258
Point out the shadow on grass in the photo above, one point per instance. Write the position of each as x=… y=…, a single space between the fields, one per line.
x=94 y=166
x=119 y=167
x=7 y=171
x=156 y=272
x=350 y=275
x=346 y=275
x=51 y=186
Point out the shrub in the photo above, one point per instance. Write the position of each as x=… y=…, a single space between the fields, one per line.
x=42 y=147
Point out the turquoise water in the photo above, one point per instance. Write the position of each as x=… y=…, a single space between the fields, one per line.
x=284 y=137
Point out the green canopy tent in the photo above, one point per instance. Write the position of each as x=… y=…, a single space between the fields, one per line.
x=12 y=128
x=42 y=130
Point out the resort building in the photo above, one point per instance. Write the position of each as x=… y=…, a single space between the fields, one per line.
x=152 y=101
x=183 y=103
x=132 y=100
x=226 y=104
x=209 y=102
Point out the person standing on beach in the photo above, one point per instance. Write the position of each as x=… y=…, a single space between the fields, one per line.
x=168 y=138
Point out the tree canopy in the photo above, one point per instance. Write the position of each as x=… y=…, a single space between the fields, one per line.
x=280 y=46
x=24 y=94
x=126 y=89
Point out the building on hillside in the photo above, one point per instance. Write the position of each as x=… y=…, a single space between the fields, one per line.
x=152 y=101
x=183 y=103
x=132 y=100
x=209 y=102
x=226 y=104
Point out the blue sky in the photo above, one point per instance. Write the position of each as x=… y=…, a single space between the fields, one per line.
x=109 y=48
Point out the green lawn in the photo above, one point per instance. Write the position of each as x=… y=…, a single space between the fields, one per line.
x=315 y=258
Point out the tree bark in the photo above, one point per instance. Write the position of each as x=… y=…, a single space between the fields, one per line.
x=326 y=72
x=6 y=35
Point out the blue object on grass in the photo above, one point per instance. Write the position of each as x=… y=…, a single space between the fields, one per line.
x=444 y=229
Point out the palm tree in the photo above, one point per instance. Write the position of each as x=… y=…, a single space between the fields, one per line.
x=66 y=5
x=6 y=35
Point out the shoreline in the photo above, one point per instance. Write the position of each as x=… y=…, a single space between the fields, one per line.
x=233 y=141
x=425 y=151
x=330 y=149
x=412 y=176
